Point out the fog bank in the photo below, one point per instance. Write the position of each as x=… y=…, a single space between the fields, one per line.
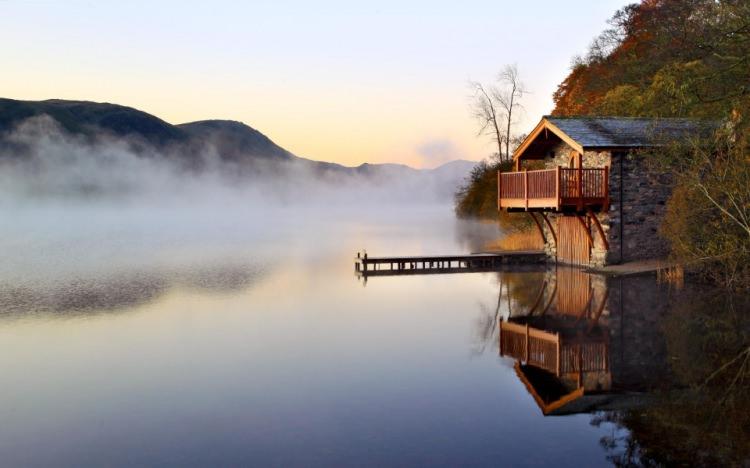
x=102 y=223
x=39 y=161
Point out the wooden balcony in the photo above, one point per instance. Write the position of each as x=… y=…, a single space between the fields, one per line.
x=559 y=189
x=547 y=362
x=550 y=352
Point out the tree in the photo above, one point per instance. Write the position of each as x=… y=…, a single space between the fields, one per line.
x=708 y=216
x=495 y=106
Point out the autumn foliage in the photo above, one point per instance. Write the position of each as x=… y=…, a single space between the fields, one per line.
x=663 y=58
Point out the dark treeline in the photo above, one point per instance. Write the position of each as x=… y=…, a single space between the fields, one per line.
x=673 y=58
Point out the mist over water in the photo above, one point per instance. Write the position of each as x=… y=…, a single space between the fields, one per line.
x=103 y=253
x=100 y=222
x=41 y=161
x=193 y=334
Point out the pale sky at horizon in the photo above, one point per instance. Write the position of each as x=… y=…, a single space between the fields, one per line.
x=330 y=80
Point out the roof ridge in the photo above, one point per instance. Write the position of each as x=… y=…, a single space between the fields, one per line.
x=617 y=117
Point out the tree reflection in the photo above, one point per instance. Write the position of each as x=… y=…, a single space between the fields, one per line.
x=704 y=417
x=517 y=292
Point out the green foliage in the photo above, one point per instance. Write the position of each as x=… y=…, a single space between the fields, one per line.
x=477 y=197
x=624 y=100
x=708 y=215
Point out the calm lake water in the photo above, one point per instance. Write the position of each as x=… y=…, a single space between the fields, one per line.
x=152 y=339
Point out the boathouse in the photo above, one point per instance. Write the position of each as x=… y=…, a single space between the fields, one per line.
x=597 y=201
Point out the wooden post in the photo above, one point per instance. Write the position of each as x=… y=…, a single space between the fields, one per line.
x=558 y=354
x=579 y=160
x=606 y=358
x=558 y=179
x=580 y=365
x=527 y=344
x=499 y=190
x=606 y=189
x=526 y=187
x=518 y=164
x=500 y=340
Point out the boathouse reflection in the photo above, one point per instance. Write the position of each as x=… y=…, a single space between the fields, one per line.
x=576 y=349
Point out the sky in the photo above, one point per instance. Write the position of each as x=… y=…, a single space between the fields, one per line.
x=342 y=81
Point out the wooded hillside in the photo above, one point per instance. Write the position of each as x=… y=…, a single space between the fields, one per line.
x=663 y=58
x=673 y=58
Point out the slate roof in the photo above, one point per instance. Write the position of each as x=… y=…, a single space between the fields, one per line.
x=627 y=132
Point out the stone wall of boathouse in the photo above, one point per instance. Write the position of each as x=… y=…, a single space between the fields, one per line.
x=636 y=218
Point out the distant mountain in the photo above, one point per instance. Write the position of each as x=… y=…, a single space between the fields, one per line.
x=243 y=148
x=249 y=149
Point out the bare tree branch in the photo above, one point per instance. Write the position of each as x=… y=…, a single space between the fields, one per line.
x=495 y=106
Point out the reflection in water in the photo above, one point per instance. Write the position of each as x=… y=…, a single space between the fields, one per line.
x=121 y=290
x=702 y=416
x=261 y=349
x=562 y=342
x=671 y=369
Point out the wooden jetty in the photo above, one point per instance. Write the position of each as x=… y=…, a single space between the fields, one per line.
x=421 y=265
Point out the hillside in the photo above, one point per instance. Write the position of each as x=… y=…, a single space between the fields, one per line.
x=235 y=141
x=664 y=58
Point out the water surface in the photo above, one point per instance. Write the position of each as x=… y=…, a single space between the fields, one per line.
x=153 y=340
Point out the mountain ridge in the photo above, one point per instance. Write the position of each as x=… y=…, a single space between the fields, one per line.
x=240 y=149
x=89 y=117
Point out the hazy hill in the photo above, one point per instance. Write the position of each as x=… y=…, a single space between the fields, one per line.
x=234 y=140
x=247 y=148
x=242 y=149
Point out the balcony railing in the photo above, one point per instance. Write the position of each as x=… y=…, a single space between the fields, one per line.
x=554 y=189
x=550 y=352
